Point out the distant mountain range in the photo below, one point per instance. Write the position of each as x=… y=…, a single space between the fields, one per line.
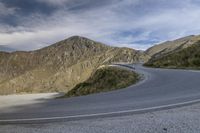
x=6 y=48
x=63 y=65
x=59 y=67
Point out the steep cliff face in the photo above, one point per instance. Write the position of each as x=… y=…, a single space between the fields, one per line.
x=58 y=67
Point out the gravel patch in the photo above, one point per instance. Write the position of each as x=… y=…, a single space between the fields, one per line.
x=178 y=120
x=7 y=102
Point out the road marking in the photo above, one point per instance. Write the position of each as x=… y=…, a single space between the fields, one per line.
x=102 y=114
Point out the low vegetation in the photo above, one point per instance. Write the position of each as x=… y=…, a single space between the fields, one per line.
x=188 y=58
x=105 y=79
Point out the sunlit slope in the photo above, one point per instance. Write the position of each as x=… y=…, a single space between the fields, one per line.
x=60 y=66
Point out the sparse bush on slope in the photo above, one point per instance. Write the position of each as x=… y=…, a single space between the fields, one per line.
x=105 y=79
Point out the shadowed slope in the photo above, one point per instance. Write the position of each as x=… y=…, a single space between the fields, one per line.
x=185 y=58
x=105 y=79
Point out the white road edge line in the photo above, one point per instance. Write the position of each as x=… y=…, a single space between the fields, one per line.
x=101 y=114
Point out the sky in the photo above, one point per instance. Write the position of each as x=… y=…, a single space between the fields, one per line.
x=138 y=24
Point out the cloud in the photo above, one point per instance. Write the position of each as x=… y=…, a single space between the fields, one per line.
x=4 y=11
x=54 y=2
x=134 y=23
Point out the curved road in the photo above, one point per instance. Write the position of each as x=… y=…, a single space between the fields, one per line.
x=161 y=89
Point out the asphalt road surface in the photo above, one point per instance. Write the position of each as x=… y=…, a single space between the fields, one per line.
x=160 y=89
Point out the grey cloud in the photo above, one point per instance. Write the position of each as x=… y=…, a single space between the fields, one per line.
x=4 y=10
x=132 y=23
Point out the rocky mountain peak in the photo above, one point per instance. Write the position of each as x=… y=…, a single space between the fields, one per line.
x=58 y=67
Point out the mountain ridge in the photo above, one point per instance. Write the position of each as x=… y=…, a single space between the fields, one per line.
x=58 y=67
x=174 y=54
x=172 y=46
x=187 y=58
x=4 y=48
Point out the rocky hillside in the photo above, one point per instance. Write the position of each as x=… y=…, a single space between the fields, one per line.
x=172 y=46
x=103 y=80
x=186 y=58
x=60 y=66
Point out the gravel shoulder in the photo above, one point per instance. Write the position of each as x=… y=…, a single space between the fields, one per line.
x=7 y=102
x=179 y=120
